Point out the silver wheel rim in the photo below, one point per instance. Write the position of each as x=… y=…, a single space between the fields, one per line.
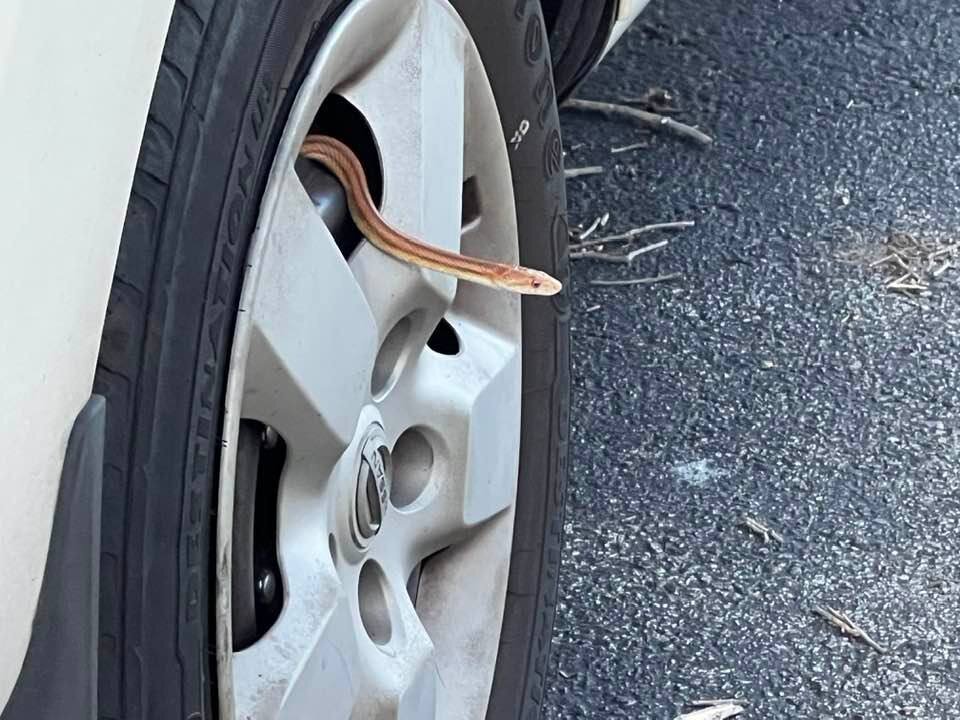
x=332 y=354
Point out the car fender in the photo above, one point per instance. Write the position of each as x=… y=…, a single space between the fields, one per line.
x=75 y=88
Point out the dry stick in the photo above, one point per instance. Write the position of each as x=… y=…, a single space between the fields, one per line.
x=590 y=230
x=718 y=701
x=881 y=261
x=944 y=251
x=632 y=233
x=579 y=172
x=638 y=281
x=899 y=261
x=893 y=257
x=942 y=269
x=627 y=148
x=600 y=222
x=626 y=259
x=762 y=530
x=907 y=286
x=842 y=622
x=652 y=105
x=650 y=119
x=714 y=712
x=899 y=282
x=908 y=296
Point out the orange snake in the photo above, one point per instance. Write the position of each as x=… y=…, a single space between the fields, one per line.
x=341 y=161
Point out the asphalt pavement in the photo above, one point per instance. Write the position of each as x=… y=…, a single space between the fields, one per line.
x=773 y=379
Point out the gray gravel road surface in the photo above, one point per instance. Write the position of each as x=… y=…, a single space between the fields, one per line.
x=772 y=379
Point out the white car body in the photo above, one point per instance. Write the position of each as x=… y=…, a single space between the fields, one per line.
x=75 y=94
x=75 y=85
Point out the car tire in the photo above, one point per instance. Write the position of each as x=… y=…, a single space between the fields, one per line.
x=227 y=79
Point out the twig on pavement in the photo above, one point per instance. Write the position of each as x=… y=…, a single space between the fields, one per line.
x=718 y=701
x=881 y=261
x=944 y=251
x=762 y=530
x=653 y=120
x=626 y=258
x=590 y=230
x=632 y=233
x=942 y=269
x=714 y=712
x=600 y=222
x=581 y=171
x=638 y=281
x=902 y=279
x=912 y=264
x=628 y=148
x=845 y=625
x=908 y=286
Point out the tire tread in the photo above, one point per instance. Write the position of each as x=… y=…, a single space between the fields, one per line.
x=122 y=352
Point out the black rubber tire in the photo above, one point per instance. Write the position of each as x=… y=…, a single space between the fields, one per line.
x=227 y=79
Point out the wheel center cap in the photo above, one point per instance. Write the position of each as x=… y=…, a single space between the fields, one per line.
x=373 y=483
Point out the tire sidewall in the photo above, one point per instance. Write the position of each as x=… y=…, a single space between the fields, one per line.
x=511 y=38
x=215 y=119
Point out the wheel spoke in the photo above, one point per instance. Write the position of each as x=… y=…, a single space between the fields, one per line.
x=293 y=380
x=418 y=85
x=309 y=657
x=402 y=682
x=361 y=37
x=473 y=574
x=467 y=407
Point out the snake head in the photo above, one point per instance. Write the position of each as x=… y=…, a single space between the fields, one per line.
x=539 y=283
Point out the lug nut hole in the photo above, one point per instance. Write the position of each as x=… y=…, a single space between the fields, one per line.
x=374 y=604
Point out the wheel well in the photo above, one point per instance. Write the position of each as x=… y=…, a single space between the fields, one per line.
x=578 y=31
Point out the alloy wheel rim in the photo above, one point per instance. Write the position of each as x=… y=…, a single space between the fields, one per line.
x=395 y=452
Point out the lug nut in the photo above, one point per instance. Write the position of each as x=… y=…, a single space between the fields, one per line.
x=266 y=587
x=269 y=438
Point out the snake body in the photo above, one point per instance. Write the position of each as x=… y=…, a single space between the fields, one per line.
x=343 y=163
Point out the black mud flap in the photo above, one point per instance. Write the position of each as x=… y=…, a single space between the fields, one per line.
x=58 y=680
